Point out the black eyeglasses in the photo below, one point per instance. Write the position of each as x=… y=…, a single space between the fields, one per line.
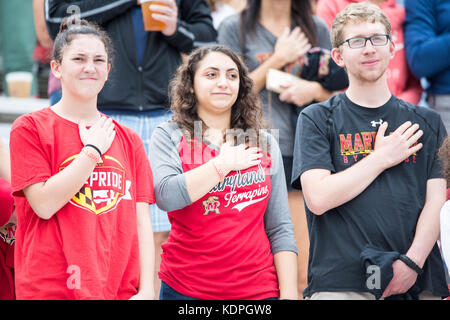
x=360 y=42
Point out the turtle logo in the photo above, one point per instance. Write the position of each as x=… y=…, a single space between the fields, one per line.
x=8 y=233
x=211 y=204
x=105 y=187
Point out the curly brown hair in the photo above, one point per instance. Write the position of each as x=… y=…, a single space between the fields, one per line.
x=246 y=112
x=444 y=156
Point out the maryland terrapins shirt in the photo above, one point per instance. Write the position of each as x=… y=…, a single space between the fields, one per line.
x=222 y=245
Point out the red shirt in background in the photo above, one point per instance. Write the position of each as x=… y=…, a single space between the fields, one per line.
x=7 y=237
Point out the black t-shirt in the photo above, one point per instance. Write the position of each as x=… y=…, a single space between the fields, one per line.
x=334 y=135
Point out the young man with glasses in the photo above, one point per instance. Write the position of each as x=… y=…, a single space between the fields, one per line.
x=373 y=186
x=401 y=82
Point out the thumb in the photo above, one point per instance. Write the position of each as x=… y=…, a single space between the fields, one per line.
x=82 y=127
x=286 y=32
x=285 y=85
x=228 y=142
x=285 y=95
x=83 y=131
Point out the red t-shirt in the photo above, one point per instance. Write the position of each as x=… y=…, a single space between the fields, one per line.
x=7 y=237
x=218 y=247
x=89 y=248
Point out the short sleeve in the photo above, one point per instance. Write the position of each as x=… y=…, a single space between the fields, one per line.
x=144 y=176
x=336 y=78
x=322 y=68
x=312 y=145
x=323 y=34
x=29 y=162
x=229 y=34
x=436 y=167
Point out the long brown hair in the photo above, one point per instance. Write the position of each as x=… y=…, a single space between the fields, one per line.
x=246 y=113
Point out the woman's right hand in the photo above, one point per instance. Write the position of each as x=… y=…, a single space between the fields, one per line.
x=232 y=158
x=291 y=45
x=101 y=134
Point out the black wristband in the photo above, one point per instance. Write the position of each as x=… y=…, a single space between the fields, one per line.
x=97 y=149
x=406 y=260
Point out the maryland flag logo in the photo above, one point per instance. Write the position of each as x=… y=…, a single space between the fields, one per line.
x=211 y=204
x=104 y=189
x=8 y=233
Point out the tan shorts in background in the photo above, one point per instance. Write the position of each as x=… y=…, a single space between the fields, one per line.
x=326 y=295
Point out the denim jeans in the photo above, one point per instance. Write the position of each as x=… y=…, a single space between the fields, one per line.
x=168 y=293
x=144 y=123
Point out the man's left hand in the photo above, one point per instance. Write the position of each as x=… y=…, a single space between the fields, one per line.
x=403 y=279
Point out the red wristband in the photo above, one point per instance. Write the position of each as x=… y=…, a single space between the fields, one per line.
x=92 y=155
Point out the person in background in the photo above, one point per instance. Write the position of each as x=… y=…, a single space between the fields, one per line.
x=220 y=177
x=8 y=224
x=427 y=47
x=221 y=9
x=281 y=35
x=427 y=36
x=82 y=188
x=314 y=4
x=367 y=164
x=444 y=155
x=46 y=45
x=402 y=83
x=136 y=94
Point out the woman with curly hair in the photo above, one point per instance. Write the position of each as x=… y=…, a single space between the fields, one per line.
x=220 y=177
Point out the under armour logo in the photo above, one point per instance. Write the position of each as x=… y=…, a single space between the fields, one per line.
x=374 y=123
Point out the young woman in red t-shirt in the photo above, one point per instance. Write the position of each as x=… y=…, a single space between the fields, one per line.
x=220 y=177
x=82 y=185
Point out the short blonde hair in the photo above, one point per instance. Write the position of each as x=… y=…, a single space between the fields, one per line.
x=357 y=13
